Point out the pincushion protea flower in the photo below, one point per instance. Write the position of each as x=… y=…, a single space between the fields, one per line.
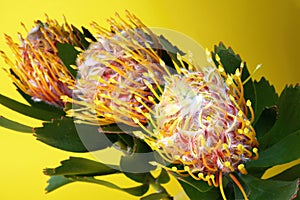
x=200 y=125
x=117 y=75
x=37 y=68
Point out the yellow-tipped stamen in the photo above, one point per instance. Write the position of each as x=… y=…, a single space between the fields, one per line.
x=152 y=89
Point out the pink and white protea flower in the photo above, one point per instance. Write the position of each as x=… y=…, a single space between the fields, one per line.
x=117 y=75
x=37 y=69
x=201 y=124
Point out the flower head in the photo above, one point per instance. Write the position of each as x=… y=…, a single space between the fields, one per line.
x=37 y=70
x=201 y=127
x=117 y=75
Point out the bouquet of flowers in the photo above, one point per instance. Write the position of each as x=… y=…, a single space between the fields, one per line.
x=208 y=125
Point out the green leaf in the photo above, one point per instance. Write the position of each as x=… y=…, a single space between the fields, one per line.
x=139 y=177
x=139 y=160
x=231 y=62
x=118 y=128
x=12 y=125
x=163 y=177
x=156 y=196
x=85 y=44
x=88 y=34
x=136 y=191
x=81 y=166
x=266 y=121
x=169 y=52
x=197 y=190
x=140 y=146
x=137 y=163
x=287 y=150
x=168 y=46
x=289 y=117
x=68 y=54
x=269 y=189
x=256 y=171
x=289 y=174
x=200 y=186
x=56 y=181
x=266 y=96
x=63 y=134
x=29 y=111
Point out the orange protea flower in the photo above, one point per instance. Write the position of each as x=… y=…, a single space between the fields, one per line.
x=117 y=75
x=201 y=124
x=37 y=68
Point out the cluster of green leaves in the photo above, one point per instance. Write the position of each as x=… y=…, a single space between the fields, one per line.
x=277 y=123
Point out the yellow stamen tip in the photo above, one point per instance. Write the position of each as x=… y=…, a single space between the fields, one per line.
x=248 y=103
x=240 y=147
x=227 y=164
x=240 y=113
x=186 y=168
x=255 y=150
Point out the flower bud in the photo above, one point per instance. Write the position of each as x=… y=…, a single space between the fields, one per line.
x=37 y=69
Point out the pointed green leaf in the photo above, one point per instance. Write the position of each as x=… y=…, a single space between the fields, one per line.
x=136 y=191
x=200 y=186
x=269 y=189
x=256 y=171
x=118 y=128
x=198 y=189
x=137 y=163
x=29 y=111
x=169 y=52
x=266 y=96
x=81 y=37
x=163 y=177
x=288 y=118
x=81 y=166
x=64 y=134
x=287 y=150
x=231 y=62
x=266 y=121
x=168 y=46
x=140 y=146
x=139 y=160
x=139 y=177
x=68 y=54
x=12 y=125
x=88 y=34
x=56 y=181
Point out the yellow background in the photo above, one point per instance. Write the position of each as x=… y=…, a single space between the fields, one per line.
x=266 y=32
